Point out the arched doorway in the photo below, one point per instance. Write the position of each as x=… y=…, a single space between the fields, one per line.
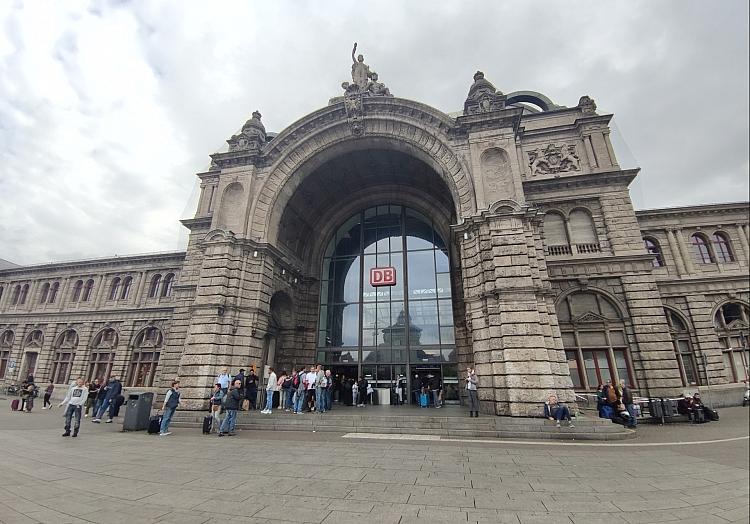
x=278 y=343
x=403 y=331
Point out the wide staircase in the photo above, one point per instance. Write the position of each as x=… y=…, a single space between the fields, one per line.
x=451 y=423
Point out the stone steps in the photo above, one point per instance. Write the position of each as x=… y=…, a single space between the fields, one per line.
x=450 y=427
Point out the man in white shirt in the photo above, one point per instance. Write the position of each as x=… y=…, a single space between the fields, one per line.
x=224 y=379
x=75 y=398
x=271 y=387
x=310 y=379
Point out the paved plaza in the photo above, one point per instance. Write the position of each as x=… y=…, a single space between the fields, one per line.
x=109 y=476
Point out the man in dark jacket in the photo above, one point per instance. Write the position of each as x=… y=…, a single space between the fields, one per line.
x=251 y=388
x=241 y=377
x=627 y=400
x=111 y=391
x=234 y=400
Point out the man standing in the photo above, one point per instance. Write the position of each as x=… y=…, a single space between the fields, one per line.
x=76 y=398
x=251 y=388
x=362 y=386
x=234 y=398
x=320 y=386
x=271 y=387
x=91 y=401
x=171 y=402
x=471 y=390
x=310 y=378
x=111 y=392
x=298 y=385
x=224 y=379
x=328 y=392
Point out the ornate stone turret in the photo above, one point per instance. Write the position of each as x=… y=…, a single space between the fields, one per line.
x=483 y=97
x=587 y=105
x=252 y=136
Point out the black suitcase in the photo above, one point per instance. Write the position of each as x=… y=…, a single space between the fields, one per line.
x=208 y=421
x=154 y=425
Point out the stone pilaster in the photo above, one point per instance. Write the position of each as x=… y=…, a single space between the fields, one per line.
x=684 y=251
x=676 y=254
x=708 y=341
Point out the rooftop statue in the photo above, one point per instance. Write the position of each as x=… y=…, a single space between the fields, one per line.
x=364 y=81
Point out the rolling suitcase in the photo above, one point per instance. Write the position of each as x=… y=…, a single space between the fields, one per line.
x=14 y=404
x=154 y=425
x=208 y=421
x=424 y=400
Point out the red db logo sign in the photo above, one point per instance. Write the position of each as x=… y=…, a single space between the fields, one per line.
x=383 y=276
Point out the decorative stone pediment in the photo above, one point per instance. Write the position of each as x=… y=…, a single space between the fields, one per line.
x=483 y=97
x=739 y=325
x=590 y=318
x=554 y=159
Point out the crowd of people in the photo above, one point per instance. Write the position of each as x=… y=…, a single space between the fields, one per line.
x=615 y=402
x=695 y=410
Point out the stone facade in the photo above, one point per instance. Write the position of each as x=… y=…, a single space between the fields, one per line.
x=553 y=288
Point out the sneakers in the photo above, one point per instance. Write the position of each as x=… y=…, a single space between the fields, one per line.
x=96 y=420
x=221 y=434
x=75 y=434
x=570 y=424
x=66 y=434
x=266 y=411
x=165 y=433
x=85 y=415
x=108 y=421
x=557 y=424
x=43 y=407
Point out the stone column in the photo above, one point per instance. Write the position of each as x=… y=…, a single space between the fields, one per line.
x=708 y=340
x=653 y=355
x=676 y=255
x=516 y=343
x=99 y=291
x=744 y=242
x=684 y=250
x=138 y=298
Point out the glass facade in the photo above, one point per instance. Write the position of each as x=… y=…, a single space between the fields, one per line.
x=387 y=331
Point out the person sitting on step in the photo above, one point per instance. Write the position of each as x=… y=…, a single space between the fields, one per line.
x=553 y=410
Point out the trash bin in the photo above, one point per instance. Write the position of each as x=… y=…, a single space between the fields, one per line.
x=137 y=411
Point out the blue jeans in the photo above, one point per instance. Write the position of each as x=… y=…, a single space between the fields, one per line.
x=320 y=406
x=70 y=411
x=289 y=399
x=230 y=421
x=107 y=404
x=299 y=400
x=166 y=418
x=561 y=412
x=631 y=411
x=269 y=400
x=327 y=398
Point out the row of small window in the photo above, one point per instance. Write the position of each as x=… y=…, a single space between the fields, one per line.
x=370 y=355
x=82 y=292
x=704 y=251
x=107 y=338
x=141 y=370
x=574 y=233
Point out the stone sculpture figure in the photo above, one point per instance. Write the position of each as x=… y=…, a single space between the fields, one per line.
x=360 y=71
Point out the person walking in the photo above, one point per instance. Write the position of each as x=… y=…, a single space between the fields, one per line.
x=111 y=391
x=75 y=399
x=171 y=403
x=224 y=379
x=217 y=399
x=362 y=387
x=48 y=394
x=271 y=387
x=251 y=389
x=471 y=389
x=232 y=404
x=91 y=401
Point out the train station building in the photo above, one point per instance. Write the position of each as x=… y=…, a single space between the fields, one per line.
x=383 y=237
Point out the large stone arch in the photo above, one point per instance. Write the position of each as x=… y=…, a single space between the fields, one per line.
x=398 y=124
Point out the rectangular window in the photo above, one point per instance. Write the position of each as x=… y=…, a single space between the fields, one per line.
x=61 y=367
x=100 y=365
x=4 y=356
x=597 y=367
x=143 y=369
x=621 y=363
x=575 y=373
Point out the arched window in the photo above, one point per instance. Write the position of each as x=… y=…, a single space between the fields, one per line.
x=722 y=248
x=53 y=289
x=731 y=322
x=683 y=348
x=153 y=289
x=594 y=338
x=103 y=354
x=6 y=345
x=114 y=289
x=45 y=292
x=24 y=294
x=77 y=291
x=126 y=284
x=166 y=290
x=555 y=234
x=582 y=232
x=88 y=288
x=16 y=295
x=701 y=250
x=62 y=361
x=653 y=248
x=146 y=351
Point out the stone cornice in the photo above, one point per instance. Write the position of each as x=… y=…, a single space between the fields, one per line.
x=97 y=263
x=582 y=122
x=97 y=314
x=509 y=117
x=619 y=178
x=722 y=278
x=209 y=175
x=598 y=266
x=699 y=210
x=196 y=223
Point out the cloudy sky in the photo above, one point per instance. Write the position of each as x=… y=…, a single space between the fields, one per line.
x=108 y=109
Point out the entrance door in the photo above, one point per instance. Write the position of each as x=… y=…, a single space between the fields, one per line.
x=424 y=379
x=29 y=366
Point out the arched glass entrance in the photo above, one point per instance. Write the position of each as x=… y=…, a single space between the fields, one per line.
x=402 y=332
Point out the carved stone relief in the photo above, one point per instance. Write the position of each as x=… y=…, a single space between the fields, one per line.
x=230 y=213
x=554 y=159
x=497 y=175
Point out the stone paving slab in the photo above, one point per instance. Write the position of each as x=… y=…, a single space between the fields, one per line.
x=255 y=477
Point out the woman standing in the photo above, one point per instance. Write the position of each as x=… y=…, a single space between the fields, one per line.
x=48 y=394
x=471 y=389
